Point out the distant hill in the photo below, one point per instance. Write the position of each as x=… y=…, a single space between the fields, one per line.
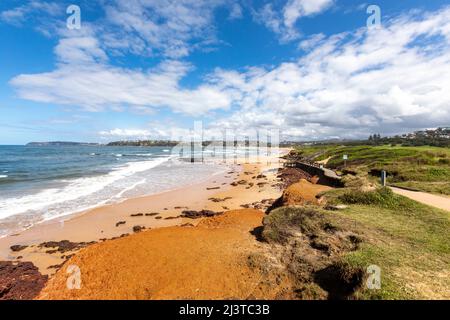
x=60 y=143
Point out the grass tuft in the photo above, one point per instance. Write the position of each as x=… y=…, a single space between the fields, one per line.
x=280 y=223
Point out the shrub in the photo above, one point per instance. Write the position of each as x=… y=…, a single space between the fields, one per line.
x=280 y=223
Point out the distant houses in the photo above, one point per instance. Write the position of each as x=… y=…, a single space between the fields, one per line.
x=439 y=133
x=439 y=137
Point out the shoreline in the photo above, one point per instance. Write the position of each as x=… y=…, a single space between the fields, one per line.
x=72 y=215
x=115 y=220
x=114 y=198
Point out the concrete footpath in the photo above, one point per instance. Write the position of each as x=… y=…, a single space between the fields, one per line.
x=440 y=202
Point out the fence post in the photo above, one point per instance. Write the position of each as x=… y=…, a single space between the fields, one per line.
x=383 y=178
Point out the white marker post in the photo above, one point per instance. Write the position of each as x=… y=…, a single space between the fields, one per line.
x=345 y=157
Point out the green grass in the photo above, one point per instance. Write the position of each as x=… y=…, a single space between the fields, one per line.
x=425 y=167
x=409 y=241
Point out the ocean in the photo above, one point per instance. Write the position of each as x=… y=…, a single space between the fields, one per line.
x=39 y=183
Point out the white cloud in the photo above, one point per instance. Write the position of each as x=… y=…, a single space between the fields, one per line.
x=271 y=19
x=296 y=9
x=14 y=16
x=97 y=86
x=85 y=78
x=311 y=41
x=80 y=49
x=389 y=80
x=235 y=11
x=282 y=22
x=349 y=85
x=155 y=131
x=126 y=133
x=197 y=132
x=168 y=28
x=17 y=16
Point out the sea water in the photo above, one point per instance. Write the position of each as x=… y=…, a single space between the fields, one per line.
x=39 y=183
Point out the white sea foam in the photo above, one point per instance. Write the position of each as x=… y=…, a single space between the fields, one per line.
x=133 y=186
x=79 y=194
x=3 y=176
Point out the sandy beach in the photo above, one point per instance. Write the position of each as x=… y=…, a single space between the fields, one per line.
x=254 y=181
x=197 y=242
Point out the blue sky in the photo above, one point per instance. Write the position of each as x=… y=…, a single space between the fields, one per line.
x=149 y=68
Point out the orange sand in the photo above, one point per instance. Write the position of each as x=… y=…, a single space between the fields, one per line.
x=303 y=192
x=208 y=261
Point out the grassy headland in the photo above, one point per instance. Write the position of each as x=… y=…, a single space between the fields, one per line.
x=409 y=241
x=331 y=244
x=423 y=168
x=327 y=251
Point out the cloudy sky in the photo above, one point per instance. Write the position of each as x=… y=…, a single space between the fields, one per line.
x=150 y=68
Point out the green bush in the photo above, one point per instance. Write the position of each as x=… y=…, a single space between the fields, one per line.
x=280 y=223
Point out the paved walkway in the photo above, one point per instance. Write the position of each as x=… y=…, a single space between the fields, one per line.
x=440 y=202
